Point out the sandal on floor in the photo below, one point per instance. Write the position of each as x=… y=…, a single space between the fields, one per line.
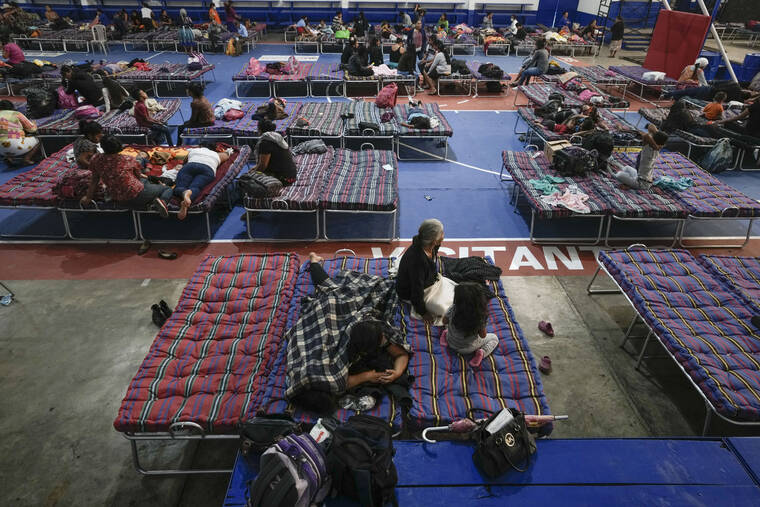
x=144 y=247
x=164 y=254
x=545 y=366
x=546 y=327
x=157 y=316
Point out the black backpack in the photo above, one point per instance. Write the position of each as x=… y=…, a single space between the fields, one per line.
x=490 y=70
x=459 y=67
x=575 y=161
x=600 y=141
x=549 y=109
x=360 y=461
x=40 y=102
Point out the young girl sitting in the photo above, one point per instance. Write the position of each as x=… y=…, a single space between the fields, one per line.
x=466 y=324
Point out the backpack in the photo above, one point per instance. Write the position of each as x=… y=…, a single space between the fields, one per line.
x=66 y=101
x=360 y=461
x=556 y=96
x=459 y=67
x=600 y=141
x=292 y=473
x=719 y=158
x=575 y=161
x=254 y=67
x=259 y=185
x=549 y=109
x=387 y=96
x=40 y=102
x=490 y=70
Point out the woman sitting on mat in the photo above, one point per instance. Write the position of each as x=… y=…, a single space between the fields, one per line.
x=357 y=64
x=201 y=112
x=418 y=280
x=466 y=323
x=273 y=154
x=198 y=171
x=16 y=134
x=88 y=144
x=407 y=60
x=694 y=74
x=124 y=181
x=373 y=352
x=375 y=51
x=439 y=66
x=536 y=66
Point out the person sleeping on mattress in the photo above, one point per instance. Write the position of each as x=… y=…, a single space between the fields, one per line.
x=341 y=351
x=198 y=171
x=465 y=323
x=416 y=118
x=418 y=280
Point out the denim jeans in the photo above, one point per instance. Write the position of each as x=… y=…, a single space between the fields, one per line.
x=193 y=176
x=160 y=133
x=149 y=192
x=527 y=73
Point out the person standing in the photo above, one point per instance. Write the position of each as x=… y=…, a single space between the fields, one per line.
x=418 y=37
x=147 y=17
x=616 y=36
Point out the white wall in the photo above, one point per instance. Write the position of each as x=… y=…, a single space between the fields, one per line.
x=588 y=6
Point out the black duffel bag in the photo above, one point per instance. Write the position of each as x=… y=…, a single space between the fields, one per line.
x=259 y=185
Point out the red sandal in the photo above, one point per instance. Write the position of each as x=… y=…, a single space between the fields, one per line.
x=546 y=327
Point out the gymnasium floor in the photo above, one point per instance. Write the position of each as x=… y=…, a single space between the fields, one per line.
x=80 y=324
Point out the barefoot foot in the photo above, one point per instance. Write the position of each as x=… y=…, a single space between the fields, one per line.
x=314 y=257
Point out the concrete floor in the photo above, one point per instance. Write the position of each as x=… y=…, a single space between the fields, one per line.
x=70 y=348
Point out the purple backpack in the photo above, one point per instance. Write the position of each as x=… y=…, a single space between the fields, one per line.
x=292 y=473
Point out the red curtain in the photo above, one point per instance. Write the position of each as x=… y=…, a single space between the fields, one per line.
x=676 y=41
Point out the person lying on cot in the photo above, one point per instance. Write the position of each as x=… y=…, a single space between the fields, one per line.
x=416 y=118
x=198 y=171
x=418 y=280
x=352 y=352
x=465 y=322
x=124 y=181
x=273 y=154
x=641 y=177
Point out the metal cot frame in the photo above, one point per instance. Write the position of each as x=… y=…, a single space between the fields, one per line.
x=255 y=82
x=709 y=407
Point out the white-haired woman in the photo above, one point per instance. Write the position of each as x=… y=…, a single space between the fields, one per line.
x=418 y=280
x=694 y=74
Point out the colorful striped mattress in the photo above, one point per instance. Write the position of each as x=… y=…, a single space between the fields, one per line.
x=401 y=111
x=325 y=72
x=367 y=111
x=626 y=202
x=248 y=127
x=222 y=127
x=523 y=168
x=446 y=388
x=654 y=115
x=324 y=119
x=274 y=394
x=358 y=180
x=164 y=72
x=303 y=71
x=214 y=355
x=708 y=197
x=597 y=74
x=636 y=73
x=35 y=187
x=538 y=93
x=741 y=274
x=125 y=124
x=701 y=322
x=306 y=192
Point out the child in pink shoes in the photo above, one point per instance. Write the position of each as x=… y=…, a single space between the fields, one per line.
x=466 y=324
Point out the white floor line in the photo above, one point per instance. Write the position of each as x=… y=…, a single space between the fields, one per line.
x=438 y=157
x=153 y=56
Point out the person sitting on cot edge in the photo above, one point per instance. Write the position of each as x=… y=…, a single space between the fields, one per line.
x=641 y=177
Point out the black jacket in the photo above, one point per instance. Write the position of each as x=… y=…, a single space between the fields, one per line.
x=416 y=272
x=83 y=83
x=348 y=51
x=376 y=55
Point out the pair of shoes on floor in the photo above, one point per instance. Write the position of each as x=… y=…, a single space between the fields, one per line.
x=161 y=312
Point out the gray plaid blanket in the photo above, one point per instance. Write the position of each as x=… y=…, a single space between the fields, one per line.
x=318 y=342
